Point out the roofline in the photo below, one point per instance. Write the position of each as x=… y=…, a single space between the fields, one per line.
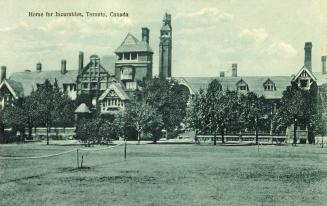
x=9 y=87
x=307 y=70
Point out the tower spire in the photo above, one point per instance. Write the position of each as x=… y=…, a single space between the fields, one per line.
x=165 y=47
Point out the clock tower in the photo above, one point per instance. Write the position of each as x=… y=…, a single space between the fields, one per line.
x=165 y=47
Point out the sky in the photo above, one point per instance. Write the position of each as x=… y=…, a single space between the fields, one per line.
x=264 y=37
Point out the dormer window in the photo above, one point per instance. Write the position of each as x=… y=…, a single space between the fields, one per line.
x=242 y=85
x=269 y=85
x=304 y=79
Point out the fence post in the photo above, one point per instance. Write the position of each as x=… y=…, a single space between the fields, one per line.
x=77 y=159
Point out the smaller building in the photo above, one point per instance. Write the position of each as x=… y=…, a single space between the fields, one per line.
x=113 y=100
x=93 y=79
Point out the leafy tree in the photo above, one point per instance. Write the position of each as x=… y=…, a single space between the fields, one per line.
x=155 y=126
x=2 y=128
x=213 y=97
x=16 y=116
x=49 y=106
x=253 y=109
x=196 y=114
x=228 y=111
x=87 y=130
x=320 y=118
x=143 y=118
x=297 y=106
x=169 y=99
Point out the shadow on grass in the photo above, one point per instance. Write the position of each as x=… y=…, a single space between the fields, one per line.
x=168 y=143
x=58 y=171
x=240 y=144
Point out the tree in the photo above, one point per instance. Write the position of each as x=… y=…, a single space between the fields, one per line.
x=143 y=118
x=87 y=130
x=297 y=106
x=228 y=111
x=169 y=99
x=196 y=114
x=253 y=110
x=213 y=96
x=2 y=128
x=16 y=116
x=320 y=118
x=49 y=106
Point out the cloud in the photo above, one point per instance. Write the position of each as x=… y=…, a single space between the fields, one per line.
x=201 y=20
x=212 y=14
x=279 y=49
x=257 y=36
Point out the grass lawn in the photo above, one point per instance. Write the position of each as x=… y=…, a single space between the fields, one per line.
x=166 y=175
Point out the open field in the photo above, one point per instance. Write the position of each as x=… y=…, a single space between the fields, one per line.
x=166 y=175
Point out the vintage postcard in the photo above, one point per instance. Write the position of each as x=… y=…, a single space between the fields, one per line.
x=215 y=102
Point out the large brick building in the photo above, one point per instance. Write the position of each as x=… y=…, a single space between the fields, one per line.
x=110 y=81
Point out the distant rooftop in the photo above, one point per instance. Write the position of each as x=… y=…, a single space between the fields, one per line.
x=132 y=44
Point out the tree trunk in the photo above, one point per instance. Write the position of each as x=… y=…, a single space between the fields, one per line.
x=223 y=135
x=256 y=131
x=196 y=140
x=138 y=137
x=30 y=132
x=311 y=138
x=215 y=138
x=57 y=135
x=294 y=135
x=47 y=135
x=2 y=134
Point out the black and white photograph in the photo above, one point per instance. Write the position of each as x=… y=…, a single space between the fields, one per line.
x=163 y=103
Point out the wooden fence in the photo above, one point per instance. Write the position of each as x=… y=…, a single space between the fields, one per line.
x=278 y=139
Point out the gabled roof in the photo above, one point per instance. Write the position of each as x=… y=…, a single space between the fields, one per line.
x=255 y=84
x=88 y=67
x=241 y=81
x=268 y=81
x=132 y=44
x=15 y=88
x=29 y=79
x=116 y=87
x=82 y=108
x=304 y=69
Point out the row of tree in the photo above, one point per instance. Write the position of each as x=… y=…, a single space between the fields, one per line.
x=159 y=106
x=46 y=107
x=215 y=111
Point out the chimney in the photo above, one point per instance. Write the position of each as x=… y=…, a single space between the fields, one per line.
x=38 y=67
x=234 y=70
x=145 y=34
x=222 y=74
x=80 y=61
x=323 y=62
x=307 y=55
x=3 y=73
x=63 y=66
